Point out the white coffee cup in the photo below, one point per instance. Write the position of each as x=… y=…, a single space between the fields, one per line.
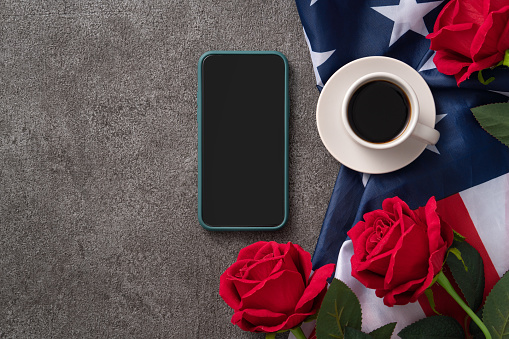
x=412 y=129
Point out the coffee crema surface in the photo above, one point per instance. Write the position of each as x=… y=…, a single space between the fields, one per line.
x=378 y=111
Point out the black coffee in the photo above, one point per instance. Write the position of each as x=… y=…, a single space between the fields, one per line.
x=378 y=111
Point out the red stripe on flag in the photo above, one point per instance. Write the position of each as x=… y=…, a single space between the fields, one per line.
x=453 y=211
x=456 y=214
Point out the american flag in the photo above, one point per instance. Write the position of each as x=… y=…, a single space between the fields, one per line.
x=467 y=170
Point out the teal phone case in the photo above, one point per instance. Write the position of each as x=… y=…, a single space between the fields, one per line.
x=250 y=228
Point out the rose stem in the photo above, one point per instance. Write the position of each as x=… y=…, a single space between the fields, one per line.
x=298 y=333
x=270 y=335
x=444 y=282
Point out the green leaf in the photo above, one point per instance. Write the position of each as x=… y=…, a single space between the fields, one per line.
x=457 y=254
x=468 y=272
x=340 y=308
x=494 y=118
x=384 y=332
x=496 y=309
x=481 y=79
x=429 y=294
x=458 y=237
x=436 y=327
x=353 y=333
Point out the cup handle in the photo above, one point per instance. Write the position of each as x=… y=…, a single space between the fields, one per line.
x=425 y=134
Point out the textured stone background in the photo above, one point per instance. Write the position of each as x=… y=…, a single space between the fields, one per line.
x=98 y=164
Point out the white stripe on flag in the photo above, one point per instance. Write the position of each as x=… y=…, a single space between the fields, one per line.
x=487 y=206
x=374 y=312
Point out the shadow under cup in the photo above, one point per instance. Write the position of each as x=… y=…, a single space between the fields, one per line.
x=378 y=111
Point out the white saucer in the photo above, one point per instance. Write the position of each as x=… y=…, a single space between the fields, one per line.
x=334 y=135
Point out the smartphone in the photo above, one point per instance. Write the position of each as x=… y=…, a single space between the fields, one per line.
x=242 y=140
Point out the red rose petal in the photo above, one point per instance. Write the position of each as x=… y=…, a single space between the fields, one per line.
x=372 y=241
x=433 y=223
x=486 y=41
x=469 y=11
x=406 y=297
x=408 y=222
x=454 y=39
x=313 y=305
x=227 y=288
x=494 y=5
x=317 y=284
x=447 y=233
x=503 y=43
x=435 y=264
x=238 y=319
x=399 y=208
x=373 y=216
x=367 y=278
x=446 y=15
x=479 y=65
x=279 y=293
x=290 y=260
x=302 y=260
x=359 y=234
x=250 y=251
x=261 y=269
x=451 y=63
x=235 y=277
x=243 y=286
x=357 y=230
x=402 y=294
x=380 y=227
x=460 y=77
x=228 y=291
x=436 y=260
x=265 y=318
x=238 y=268
x=270 y=248
x=388 y=242
x=410 y=259
x=388 y=205
x=290 y=322
x=378 y=264
x=459 y=12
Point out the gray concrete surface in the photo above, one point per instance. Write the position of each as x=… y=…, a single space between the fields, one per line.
x=99 y=235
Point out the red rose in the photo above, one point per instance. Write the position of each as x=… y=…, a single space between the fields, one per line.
x=470 y=35
x=398 y=251
x=270 y=288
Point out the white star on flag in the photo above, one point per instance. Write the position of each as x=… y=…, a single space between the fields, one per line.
x=407 y=16
x=365 y=178
x=312 y=2
x=433 y=148
x=429 y=64
x=317 y=58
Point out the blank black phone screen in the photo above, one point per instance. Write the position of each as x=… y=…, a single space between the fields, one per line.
x=243 y=140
